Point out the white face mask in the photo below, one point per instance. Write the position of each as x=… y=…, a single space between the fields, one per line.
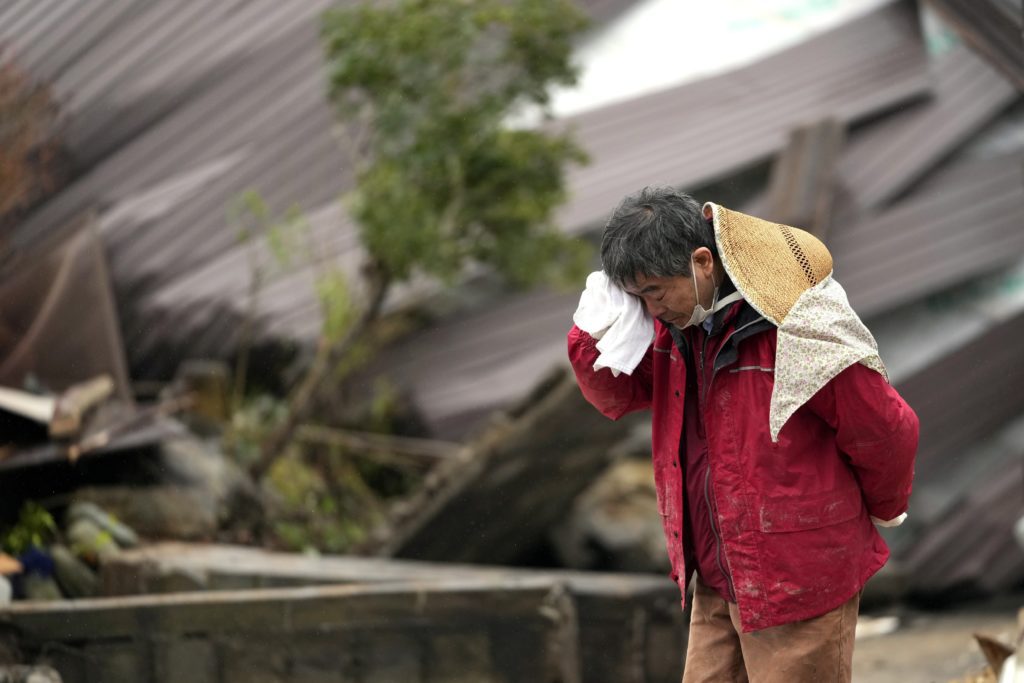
x=700 y=314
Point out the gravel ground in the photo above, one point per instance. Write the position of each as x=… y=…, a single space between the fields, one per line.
x=933 y=646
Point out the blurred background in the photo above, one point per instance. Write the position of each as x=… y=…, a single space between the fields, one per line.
x=284 y=290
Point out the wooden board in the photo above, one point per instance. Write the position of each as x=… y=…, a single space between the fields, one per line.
x=411 y=632
x=630 y=627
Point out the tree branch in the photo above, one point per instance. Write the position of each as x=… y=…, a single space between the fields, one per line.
x=328 y=356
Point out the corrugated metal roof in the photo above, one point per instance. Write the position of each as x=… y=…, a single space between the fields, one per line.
x=985 y=555
x=967 y=395
x=883 y=160
x=993 y=29
x=705 y=130
x=233 y=99
x=464 y=368
x=968 y=224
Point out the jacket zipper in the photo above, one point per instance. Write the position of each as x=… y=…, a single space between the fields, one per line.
x=707 y=472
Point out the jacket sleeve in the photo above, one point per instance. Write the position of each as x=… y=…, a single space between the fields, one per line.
x=613 y=396
x=878 y=433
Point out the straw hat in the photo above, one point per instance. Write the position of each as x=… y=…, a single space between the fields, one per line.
x=771 y=264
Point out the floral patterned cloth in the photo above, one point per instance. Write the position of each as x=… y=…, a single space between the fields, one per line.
x=819 y=338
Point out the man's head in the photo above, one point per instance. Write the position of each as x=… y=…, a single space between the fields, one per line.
x=651 y=242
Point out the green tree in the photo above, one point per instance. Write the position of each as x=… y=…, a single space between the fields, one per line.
x=424 y=90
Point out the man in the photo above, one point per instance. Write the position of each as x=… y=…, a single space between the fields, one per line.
x=778 y=443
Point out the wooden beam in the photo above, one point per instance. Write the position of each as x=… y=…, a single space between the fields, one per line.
x=801 y=185
x=497 y=500
x=381 y=447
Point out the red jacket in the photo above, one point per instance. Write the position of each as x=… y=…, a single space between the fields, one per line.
x=792 y=516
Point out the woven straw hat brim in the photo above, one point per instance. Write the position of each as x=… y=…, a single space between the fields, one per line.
x=771 y=264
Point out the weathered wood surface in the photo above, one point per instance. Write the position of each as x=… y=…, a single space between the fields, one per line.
x=630 y=627
x=410 y=632
x=802 y=181
x=496 y=501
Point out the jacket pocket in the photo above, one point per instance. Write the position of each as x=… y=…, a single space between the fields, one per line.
x=779 y=514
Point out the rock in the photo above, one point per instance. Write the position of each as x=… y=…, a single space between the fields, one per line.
x=36 y=582
x=28 y=674
x=73 y=576
x=42 y=674
x=177 y=512
x=614 y=525
x=6 y=591
x=90 y=542
x=199 y=493
x=38 y=587
x=122 y=535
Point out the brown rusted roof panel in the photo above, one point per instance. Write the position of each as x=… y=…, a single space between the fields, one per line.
x=992 y=29
x=973 y=547
x=963 y=398
x=703 y=131
x=883 y=160
x=966 y=225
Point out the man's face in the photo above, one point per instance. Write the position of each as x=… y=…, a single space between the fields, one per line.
x=672 y=299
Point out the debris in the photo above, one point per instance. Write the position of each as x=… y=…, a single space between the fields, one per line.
x=75 y=403
x=164 y=511
x=996 y=653
x=122 y=535
x=90 y=542
x=614 y=525
x=28 y=405
x=208 y=383
x=628 y=627
x=39 y=587
x=75 y=579
x=28 y=674
x=869 y=627
x=496 y=501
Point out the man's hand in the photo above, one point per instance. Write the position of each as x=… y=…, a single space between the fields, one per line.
x=890 y=522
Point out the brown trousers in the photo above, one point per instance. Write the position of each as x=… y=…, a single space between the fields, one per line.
x=815 y=650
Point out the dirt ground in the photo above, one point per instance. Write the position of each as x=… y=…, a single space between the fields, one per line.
x=932 y=646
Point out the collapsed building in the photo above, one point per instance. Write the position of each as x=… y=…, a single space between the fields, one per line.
x=900 y=148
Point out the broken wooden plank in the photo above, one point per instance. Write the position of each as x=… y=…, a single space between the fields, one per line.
x=497 y=500
x=27 y=405
x=75 y=403
x=801 y=184
x=60 y=323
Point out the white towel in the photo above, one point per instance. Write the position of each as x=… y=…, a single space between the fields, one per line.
x=618 y=321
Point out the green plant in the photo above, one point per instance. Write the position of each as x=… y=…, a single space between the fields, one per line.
x=35 y=528
x=424 y=90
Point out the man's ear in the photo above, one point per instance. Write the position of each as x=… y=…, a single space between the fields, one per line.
x=703 y=260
